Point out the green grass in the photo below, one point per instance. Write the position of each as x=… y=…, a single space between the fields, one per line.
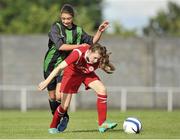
x=83 y=125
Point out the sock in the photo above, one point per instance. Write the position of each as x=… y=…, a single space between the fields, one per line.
x=53 y=105
x=57 y=116
x=101 y=108
x=66 y=115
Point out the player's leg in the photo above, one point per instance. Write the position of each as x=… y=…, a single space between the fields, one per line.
x=52 y=92
x=70 y=84
x=65 y=119
x=52 y=101
x=100 y=89
x=101 y=100
x=59 y=113
x=58 y=94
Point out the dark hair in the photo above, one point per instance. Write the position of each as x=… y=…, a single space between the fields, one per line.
x=105 y=64
x=67 y=8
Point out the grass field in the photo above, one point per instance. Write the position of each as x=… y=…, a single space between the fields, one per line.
x=83 y=125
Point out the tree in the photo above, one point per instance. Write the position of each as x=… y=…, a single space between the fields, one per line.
x=165 y=23
x=118 y=29
x=36 y=16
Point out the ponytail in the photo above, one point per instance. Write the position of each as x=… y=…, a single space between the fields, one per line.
x=106 y=65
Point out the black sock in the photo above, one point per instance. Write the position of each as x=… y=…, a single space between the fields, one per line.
x=66 y=115
x=53 y=105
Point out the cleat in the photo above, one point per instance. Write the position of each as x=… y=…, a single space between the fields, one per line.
x=53 y=130
x=106 y=125
x=63 y=123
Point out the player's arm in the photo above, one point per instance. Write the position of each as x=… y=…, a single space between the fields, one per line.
x=59 y=68
x=68 y=47
x=100 y=30
x=92 y=40
x=73 y=57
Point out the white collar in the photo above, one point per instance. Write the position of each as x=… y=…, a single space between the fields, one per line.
x=85 y=56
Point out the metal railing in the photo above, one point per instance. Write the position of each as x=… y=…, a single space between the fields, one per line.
x=123 y=90
x=23 y=93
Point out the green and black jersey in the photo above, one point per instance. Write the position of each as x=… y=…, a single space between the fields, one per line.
x=58 y=36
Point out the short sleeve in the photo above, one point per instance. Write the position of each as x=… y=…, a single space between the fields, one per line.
x=55 y=36
x=86 y=38
x=73 y=57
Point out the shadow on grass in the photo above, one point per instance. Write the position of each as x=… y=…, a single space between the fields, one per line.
x=95 y=130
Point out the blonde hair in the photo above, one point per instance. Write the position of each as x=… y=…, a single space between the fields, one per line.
x=105 y=63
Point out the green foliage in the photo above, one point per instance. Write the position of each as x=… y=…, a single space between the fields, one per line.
x=22 y=17
x=165 y=23
x=118 y=29
x=36 y=16
x=83 y=20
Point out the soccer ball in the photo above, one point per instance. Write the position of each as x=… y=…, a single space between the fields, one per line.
x=132 y=125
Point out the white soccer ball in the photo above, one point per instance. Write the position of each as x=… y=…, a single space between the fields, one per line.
x=132 y=125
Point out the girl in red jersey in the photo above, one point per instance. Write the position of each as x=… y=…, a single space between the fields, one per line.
x=79 y=68
x=64 y=36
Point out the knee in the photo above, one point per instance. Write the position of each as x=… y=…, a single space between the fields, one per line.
x=58 y=96
x=58 y=93
x=52 y=95
x=65 y=107
x=64 y=104
x=101 y=90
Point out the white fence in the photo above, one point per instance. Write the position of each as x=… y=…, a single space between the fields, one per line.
x=123 y=90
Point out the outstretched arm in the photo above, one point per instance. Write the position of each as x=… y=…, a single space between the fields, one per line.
x=45 y=83
x=101 y=29
x=69 y=47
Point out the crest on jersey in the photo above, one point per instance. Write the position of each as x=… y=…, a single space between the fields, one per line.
x=91 y=68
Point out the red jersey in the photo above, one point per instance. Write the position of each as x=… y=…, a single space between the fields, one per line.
x=77 y=62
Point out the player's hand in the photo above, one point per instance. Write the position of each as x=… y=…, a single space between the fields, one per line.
x=42 y=85
x=103 y=26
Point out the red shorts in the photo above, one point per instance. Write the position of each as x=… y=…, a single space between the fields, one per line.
x=71 y=84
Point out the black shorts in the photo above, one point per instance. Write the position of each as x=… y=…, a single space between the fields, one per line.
x=53 y=83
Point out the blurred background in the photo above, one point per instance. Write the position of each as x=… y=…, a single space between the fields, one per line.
x=143 y=37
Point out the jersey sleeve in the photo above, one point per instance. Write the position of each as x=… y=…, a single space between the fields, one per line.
x=87 y=38
x=73 y=57
x=55 y=36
